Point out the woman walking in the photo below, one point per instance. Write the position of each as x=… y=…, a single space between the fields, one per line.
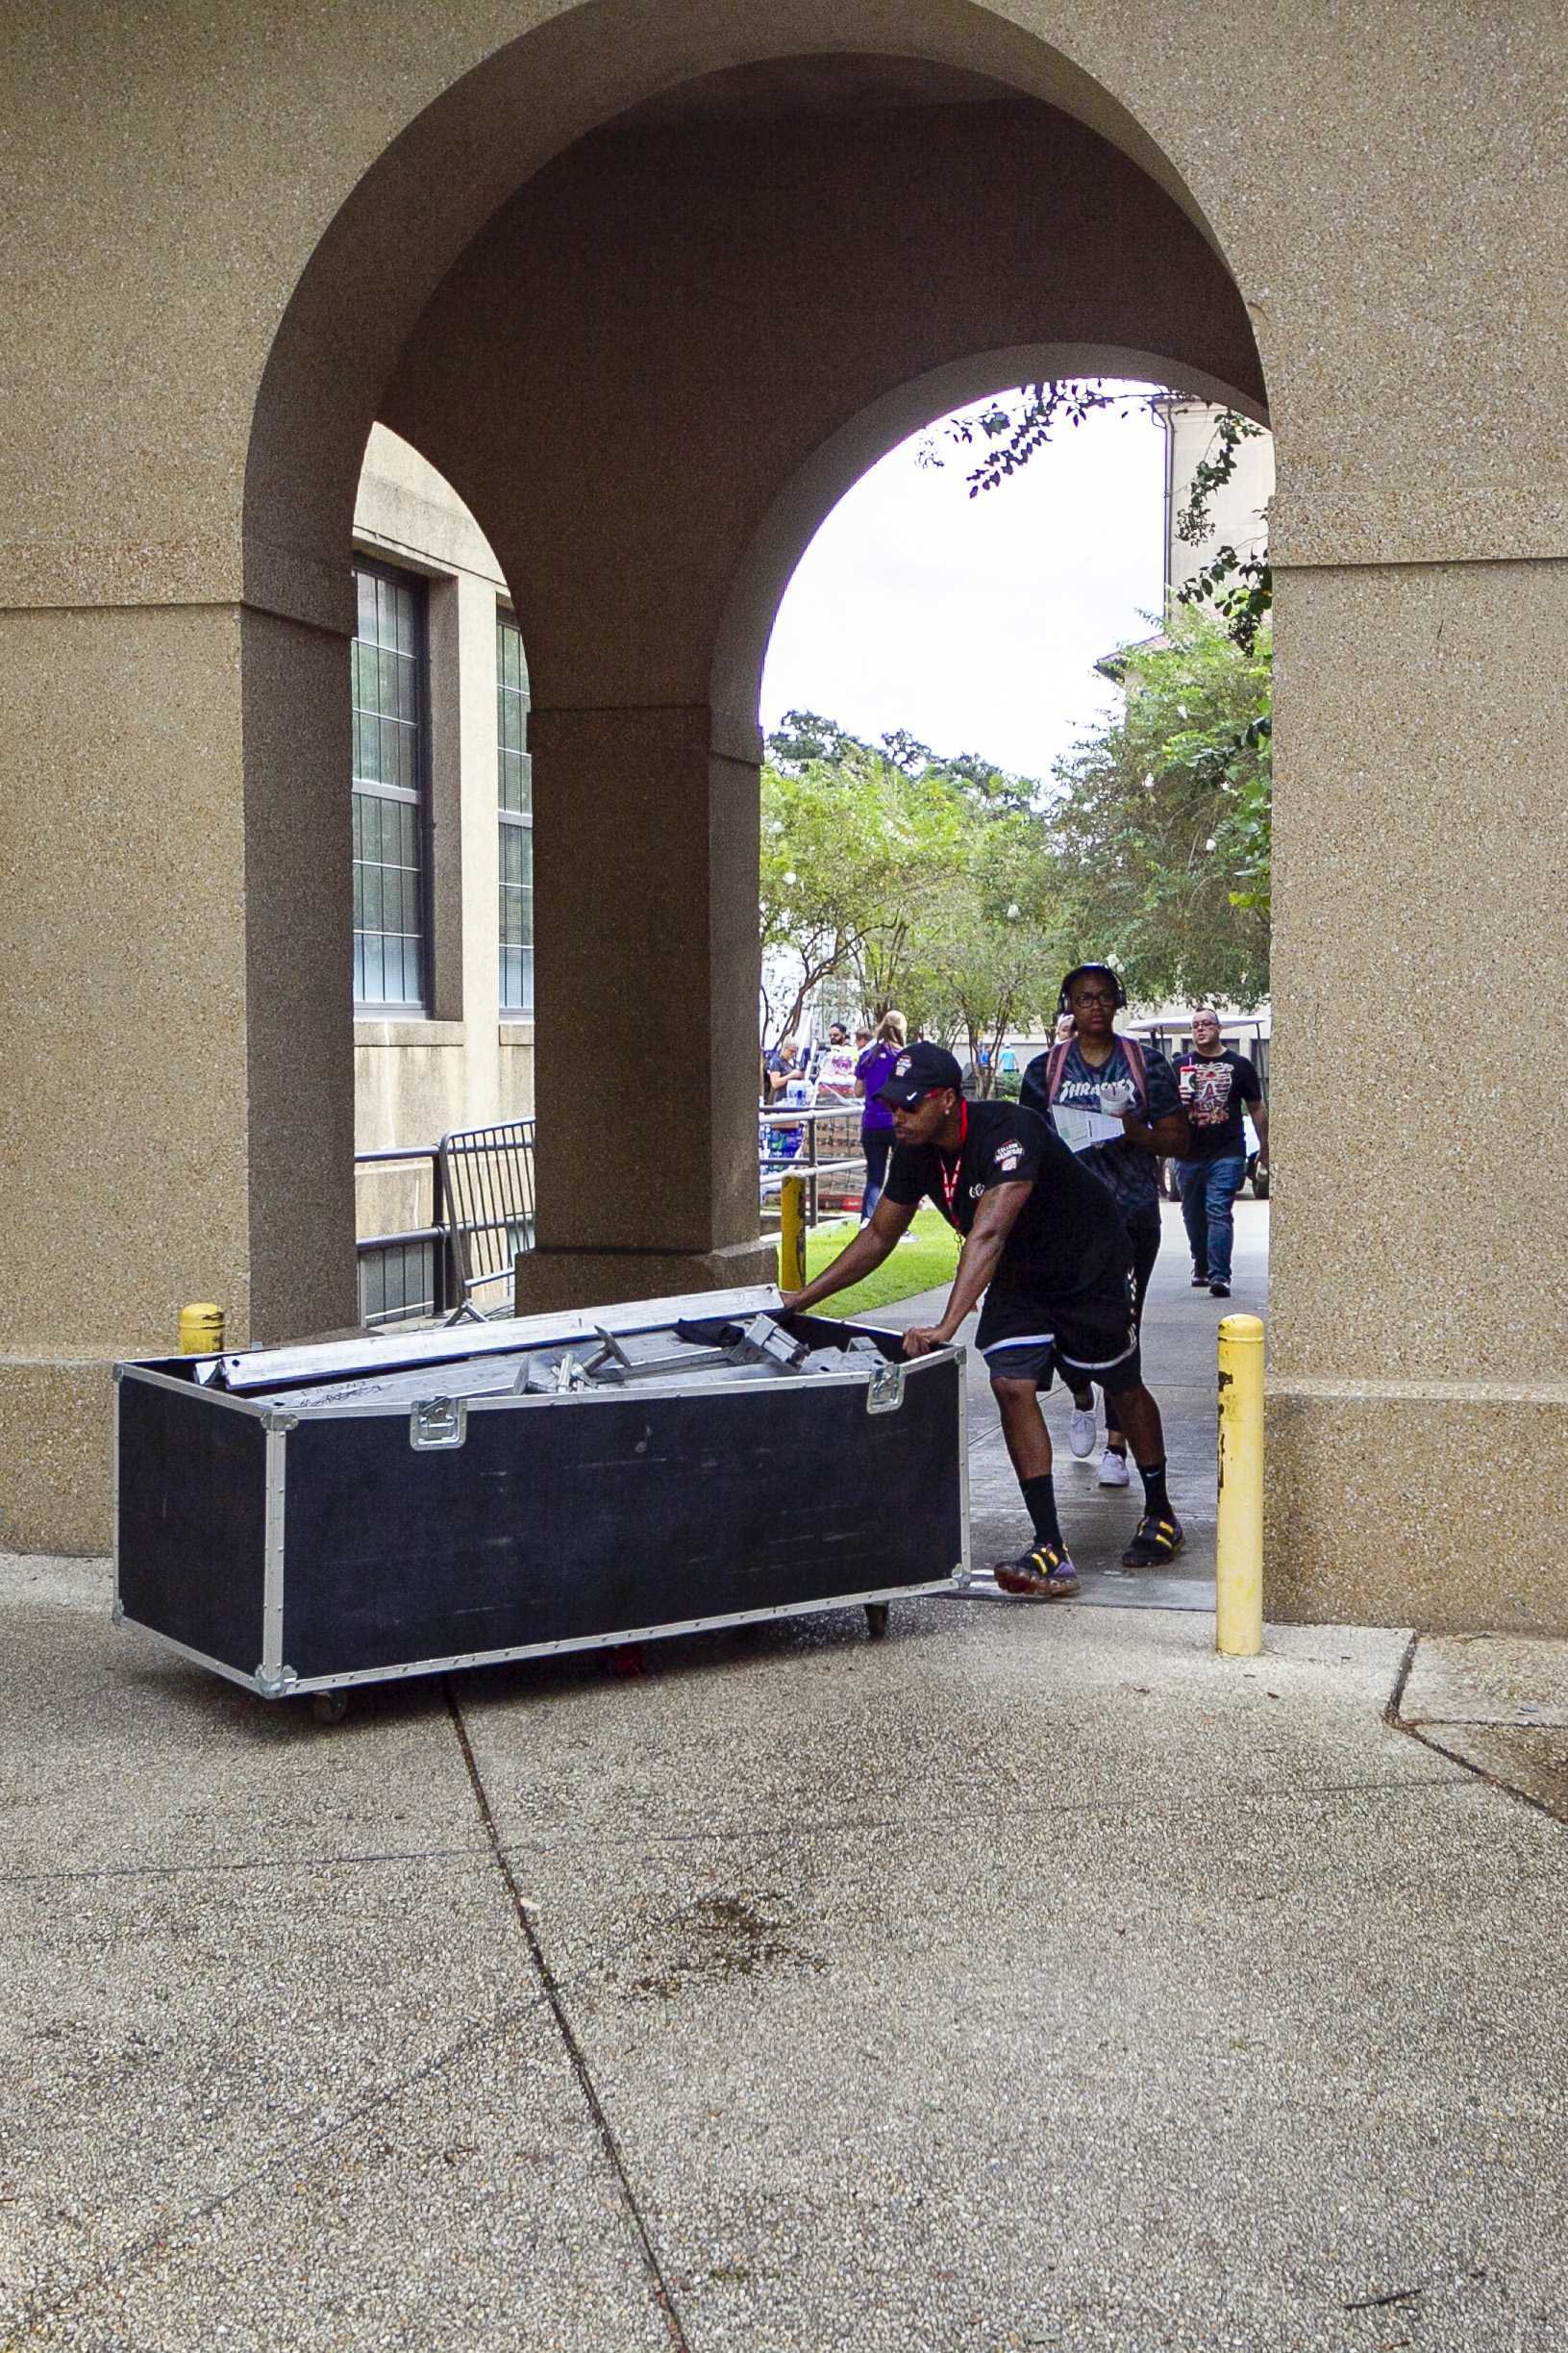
x=876 y=1119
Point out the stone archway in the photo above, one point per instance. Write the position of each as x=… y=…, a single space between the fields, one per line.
x=649 y=377
x=614 y=145
x=235 y=245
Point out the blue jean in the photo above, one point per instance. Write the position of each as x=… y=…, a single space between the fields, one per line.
x=877 y=1143
x=1209 y=1188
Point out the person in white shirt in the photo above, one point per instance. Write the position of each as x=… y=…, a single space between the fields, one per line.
x=834 y=1071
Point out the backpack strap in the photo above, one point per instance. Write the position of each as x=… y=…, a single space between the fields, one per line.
x=1134 y=1051
x=1054 y=1070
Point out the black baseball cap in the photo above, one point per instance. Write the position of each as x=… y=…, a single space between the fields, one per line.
x=918 y=1070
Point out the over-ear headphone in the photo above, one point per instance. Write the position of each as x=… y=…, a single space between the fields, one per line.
x=1064 y=1002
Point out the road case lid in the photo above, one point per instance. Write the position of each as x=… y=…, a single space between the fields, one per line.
x=244 y=1371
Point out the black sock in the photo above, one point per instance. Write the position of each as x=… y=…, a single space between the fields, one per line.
x=1154 y=1497
x=1040 y=1503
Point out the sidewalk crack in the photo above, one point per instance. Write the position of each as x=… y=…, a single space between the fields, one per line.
x=1425 y=1732
x=132 y=2257
x=658 y=2285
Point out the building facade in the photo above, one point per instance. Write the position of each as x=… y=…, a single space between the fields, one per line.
x=649 y=283
x=1238 y=508
x=443 y=842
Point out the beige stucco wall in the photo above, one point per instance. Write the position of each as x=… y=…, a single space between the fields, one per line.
x=232 y=241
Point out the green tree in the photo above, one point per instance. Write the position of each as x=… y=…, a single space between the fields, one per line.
x=993 y=959
x=853 y=849
x=933 y=881
x=1165 y=818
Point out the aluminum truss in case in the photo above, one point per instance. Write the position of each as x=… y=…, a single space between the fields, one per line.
x=304 y=1519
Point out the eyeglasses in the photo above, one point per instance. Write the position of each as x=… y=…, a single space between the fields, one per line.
x=1094 y=996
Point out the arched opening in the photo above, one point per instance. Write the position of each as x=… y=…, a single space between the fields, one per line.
x=618 y=277
x=404 y=225
x=646 y=374
x=801 y=507
x=1029 y=837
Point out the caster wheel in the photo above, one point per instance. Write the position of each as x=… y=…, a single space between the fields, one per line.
x=627 y=1663
x=328 y=1707
x=876 y=1620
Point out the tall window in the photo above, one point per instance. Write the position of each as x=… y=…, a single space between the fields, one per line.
x=515 y=790
x=390 y=763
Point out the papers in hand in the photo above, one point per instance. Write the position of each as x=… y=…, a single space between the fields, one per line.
x=1081 y=1131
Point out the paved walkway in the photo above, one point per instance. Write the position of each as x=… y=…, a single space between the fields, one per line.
x=1033 y=1978
x=1179 y=1353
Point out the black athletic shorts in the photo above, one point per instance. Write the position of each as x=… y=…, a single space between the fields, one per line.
x=1092 y=1338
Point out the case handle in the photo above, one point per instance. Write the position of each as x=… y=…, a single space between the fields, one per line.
x=438 y=1422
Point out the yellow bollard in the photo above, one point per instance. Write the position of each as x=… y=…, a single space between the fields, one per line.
x=1238 y=1541
x=201 y=1330
x=792 y=1234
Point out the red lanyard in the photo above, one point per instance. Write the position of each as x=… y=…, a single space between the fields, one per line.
x=950 y=1179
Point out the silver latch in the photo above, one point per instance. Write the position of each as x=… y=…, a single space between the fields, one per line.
x=438 y=1421
x=884 y=1391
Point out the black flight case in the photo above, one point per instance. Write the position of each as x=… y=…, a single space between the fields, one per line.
x=304 y=1519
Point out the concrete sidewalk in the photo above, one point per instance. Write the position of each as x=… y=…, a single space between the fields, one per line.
x=1179 y=1353
x=1033 y=1978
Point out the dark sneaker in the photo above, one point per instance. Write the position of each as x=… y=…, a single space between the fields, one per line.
x=1200 y=1278
x=1159 y=1538
x=1044 y=1574
x=1219 y=1290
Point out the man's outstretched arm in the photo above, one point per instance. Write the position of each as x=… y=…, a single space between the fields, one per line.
x=993 y=1223
x=858 y=1258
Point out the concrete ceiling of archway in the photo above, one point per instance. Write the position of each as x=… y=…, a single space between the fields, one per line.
x=632 y=372
x=843 y=84
x=417 y=207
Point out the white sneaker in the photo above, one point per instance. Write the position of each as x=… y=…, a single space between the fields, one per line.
x=1112 y=1468
x=1081 y=1432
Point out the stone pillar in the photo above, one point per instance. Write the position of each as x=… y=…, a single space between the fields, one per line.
x=174 y=1057
x=1418 y=1410
x=645 y=831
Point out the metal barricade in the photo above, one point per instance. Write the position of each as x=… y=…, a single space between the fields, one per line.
x=487 y=1181
x=828 y=1148
x=404 y=1276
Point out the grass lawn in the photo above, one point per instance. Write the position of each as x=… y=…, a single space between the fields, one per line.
x=926 y=1258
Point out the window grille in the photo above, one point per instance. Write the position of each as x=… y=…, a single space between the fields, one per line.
x=515 y=797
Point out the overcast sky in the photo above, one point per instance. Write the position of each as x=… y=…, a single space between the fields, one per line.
x=976 y=622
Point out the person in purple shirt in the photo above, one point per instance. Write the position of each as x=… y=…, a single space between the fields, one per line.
x=877 y=1121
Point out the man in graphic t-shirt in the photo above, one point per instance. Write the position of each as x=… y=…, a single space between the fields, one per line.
x=1215 y=1083
x=1132 y=1089
x=1044 y=1244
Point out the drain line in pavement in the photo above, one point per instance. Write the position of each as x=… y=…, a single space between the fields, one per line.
x=601 y=2122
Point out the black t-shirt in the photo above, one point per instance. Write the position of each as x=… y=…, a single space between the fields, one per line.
x=1131 y=1173
x=1066 y=1241
x=1213 y=1087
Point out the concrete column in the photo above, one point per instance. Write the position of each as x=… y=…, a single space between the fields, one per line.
x=174 y=1057
x=1418 y=1413
x=645 y=848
